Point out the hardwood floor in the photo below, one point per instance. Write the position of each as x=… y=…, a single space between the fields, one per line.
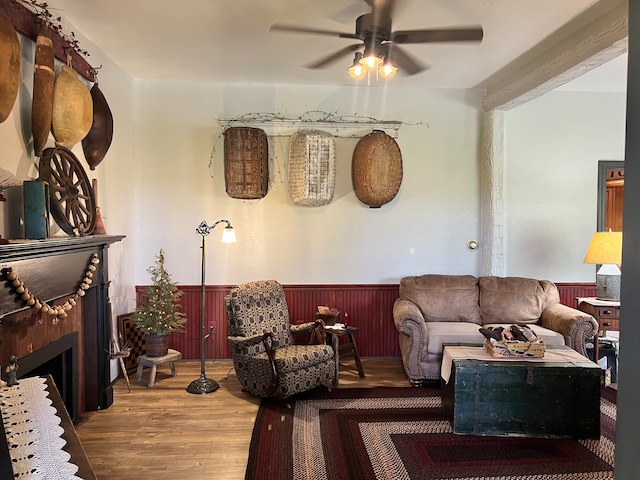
x=166 y=433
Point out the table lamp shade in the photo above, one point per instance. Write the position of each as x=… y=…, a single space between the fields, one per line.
x=605 y=248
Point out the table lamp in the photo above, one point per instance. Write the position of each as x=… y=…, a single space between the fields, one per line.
x=606 y=250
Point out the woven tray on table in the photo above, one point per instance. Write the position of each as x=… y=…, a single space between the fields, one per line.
x=376 y=169
x=312 y=168
x=246 y=162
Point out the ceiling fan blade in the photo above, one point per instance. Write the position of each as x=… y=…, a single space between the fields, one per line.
x=464 y=34
x=405 y=62
x=282 y=27
x=329 y=59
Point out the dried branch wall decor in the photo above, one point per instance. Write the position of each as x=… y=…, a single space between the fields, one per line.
x=312 y=168
x=246 y=162
x=376 y=169
x=26 y=16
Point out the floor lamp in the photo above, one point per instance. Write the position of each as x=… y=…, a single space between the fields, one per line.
x=204 y=384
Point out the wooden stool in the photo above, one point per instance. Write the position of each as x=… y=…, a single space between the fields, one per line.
x=345 y=350
x=153 y=362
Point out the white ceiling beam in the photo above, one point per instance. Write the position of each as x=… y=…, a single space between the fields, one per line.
x=594 y=37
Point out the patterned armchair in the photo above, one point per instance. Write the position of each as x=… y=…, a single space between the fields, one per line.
x=266 y=360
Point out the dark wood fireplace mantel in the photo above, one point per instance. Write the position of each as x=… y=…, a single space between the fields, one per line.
x=53 y=270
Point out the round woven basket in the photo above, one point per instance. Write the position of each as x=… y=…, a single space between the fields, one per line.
x=9 y=66
x=376 y=169
x=312 y=168
x=72 y=109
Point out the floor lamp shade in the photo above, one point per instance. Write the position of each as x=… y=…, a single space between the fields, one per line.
x=605 y=249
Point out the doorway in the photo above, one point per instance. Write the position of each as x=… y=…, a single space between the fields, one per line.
x=610 y=195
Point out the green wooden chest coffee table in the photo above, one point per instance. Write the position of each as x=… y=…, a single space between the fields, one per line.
x=555 y=396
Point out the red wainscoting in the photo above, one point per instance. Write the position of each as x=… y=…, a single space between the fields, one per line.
x=369 y=306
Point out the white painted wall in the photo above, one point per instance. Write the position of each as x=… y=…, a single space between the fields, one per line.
x=553 y=147
x=435 y=212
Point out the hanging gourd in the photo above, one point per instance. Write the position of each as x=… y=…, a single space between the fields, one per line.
x=97 y=142
x=43 y=81
x=9 y=66
x=72 y=109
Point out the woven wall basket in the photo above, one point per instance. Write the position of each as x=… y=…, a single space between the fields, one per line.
x=10 y=54
x=376 y=169
x=246 y=162
x=72 y=109
x=312 y=168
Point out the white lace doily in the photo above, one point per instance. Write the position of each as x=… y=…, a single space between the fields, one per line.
x=33 y=432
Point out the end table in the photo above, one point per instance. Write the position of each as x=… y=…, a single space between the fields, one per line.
x=345 y=350
x=606 y=313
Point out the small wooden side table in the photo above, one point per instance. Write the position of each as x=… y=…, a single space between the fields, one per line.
x=153 y=362
x=345 y=350
x=606 y=313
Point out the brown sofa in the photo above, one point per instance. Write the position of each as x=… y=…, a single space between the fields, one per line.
x=437 y=309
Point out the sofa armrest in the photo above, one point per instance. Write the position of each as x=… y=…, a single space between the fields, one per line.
x=577 y=327
x=414 y=336
x=407 y=311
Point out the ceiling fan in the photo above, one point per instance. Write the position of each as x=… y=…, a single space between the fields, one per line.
x=380 y=44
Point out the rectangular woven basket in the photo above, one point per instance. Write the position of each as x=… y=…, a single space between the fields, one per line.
x=246 y=162
x=312 y=168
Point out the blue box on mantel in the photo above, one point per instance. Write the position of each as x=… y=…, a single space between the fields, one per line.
x=36 y=209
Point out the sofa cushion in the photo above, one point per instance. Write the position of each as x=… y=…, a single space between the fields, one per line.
x=514 y=299
x=443 y=298
x=447 y=332
x=442 y=333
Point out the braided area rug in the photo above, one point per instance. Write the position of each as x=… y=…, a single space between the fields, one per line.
x=403 y=433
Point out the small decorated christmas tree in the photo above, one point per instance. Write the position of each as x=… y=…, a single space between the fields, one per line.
x=159 y=310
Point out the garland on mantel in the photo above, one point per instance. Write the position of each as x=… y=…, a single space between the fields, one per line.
x=23 y=293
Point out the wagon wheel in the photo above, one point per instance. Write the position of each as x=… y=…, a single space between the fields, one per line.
x=73 y=203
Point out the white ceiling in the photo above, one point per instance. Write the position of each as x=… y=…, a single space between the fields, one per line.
x=225 y=41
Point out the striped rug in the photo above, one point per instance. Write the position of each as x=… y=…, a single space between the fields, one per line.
x=403 y=433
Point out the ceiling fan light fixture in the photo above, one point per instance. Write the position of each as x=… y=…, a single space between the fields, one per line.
x=357 y=70
x=388 y=70
x=371 y=61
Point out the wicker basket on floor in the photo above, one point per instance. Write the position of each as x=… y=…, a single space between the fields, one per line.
x=312 y=168
x=246 y=162
x=376 y=169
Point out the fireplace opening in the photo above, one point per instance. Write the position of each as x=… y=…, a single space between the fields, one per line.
x=60 y=360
